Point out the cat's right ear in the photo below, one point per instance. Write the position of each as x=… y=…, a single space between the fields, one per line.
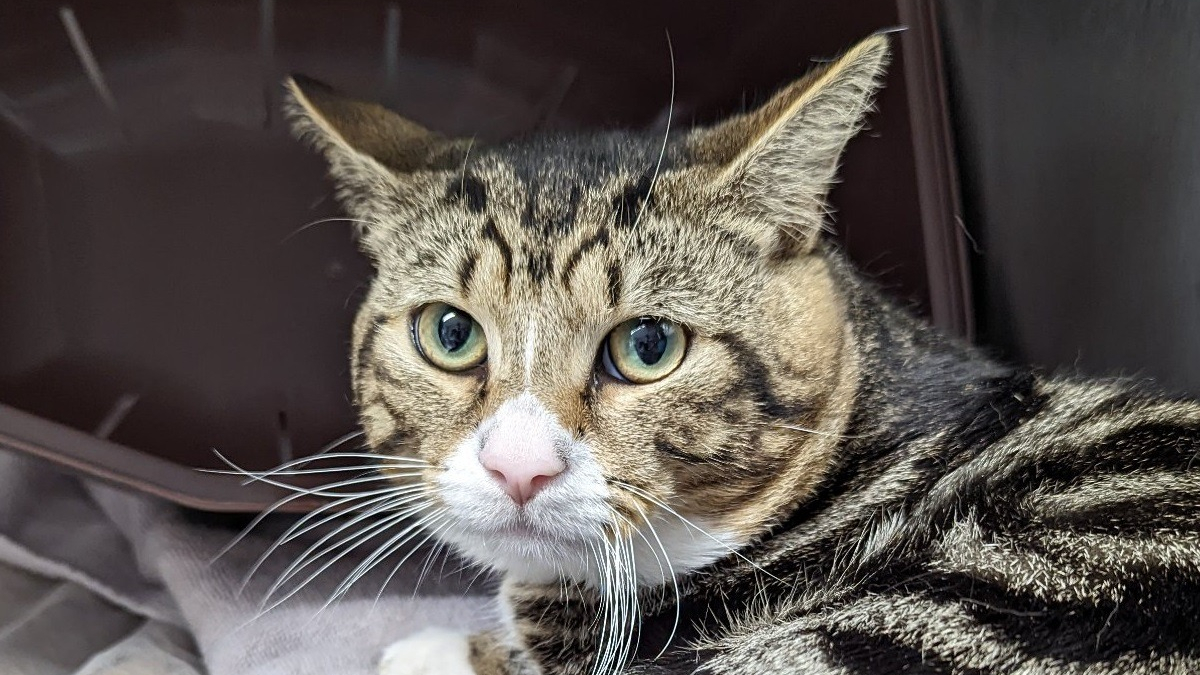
x=372 y=152
x=348 y=131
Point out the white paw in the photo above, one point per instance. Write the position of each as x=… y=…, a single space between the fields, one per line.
x=433 y=651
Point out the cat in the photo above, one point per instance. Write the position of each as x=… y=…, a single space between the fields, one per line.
x=628 y=372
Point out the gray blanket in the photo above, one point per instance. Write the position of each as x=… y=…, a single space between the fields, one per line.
x=96 y=581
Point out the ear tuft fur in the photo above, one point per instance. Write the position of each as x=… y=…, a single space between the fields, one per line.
x=341 y=127
x=376 y=157
x=779 y=161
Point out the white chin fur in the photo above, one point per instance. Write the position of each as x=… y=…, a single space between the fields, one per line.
x=560 y=532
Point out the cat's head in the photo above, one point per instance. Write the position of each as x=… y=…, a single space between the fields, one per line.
x=601 y=343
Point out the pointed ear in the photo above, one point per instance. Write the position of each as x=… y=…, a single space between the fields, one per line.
x=374 y=155
x=344 y=129
x=778 y=162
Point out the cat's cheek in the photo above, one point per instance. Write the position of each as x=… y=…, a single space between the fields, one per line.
x=377 y=424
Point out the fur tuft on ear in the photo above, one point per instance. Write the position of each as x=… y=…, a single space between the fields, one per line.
x=374 y=155
x=777 y=163
x=337 y=125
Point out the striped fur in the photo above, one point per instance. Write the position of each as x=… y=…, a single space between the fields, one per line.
x=981 y=519
x=895 y=502
x=1018 y=524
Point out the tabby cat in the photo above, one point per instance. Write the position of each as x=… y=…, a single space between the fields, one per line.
x=629 y=374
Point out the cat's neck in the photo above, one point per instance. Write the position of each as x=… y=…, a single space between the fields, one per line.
x=923 y=405
x=918 y=387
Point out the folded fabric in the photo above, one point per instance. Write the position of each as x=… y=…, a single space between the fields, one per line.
x=156 y=570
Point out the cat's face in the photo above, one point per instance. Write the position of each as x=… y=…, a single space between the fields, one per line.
x=601 y=346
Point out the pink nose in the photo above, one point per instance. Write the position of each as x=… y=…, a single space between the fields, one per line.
x=522 y=466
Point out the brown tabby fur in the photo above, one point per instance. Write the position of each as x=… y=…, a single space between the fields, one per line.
x=873 y=472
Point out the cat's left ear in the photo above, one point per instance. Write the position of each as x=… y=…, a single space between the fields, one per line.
x=776 y=164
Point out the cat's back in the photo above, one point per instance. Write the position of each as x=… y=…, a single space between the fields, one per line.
x=1073 y=537
x=1098 y=453
x=1077 y=534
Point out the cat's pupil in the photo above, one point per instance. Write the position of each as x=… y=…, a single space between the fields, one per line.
x=649 y=339
x=454 y=329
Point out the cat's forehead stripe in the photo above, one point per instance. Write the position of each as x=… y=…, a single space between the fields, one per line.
x=468 y=190
x=615 y=284
x=539 y=262
x=633 y=200
x=492 y=233
x=551 y=210
x=599 y=240
x=466 y=272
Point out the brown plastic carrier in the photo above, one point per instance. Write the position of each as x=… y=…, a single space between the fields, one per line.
x=169 y=284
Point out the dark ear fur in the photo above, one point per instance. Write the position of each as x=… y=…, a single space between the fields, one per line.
x=778 y=162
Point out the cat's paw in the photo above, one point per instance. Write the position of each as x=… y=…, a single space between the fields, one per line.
x=433 y=651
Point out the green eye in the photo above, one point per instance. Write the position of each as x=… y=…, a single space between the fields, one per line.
x=449 y=338
x=644 y=349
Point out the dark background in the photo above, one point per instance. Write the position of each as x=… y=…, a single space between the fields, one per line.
x=1078 y=131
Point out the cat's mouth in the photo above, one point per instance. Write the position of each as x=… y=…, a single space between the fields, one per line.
x=526 y=530
x=535 y=552
x=542 y=530
x=527 y=533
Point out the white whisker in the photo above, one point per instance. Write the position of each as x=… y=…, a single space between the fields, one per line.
x=633 y=613
x=429 y=558
x=606 y=604
x=326 y=490
x=349 y=543
x=381 y=552
x=339 y=441
x=340 y=507
x=381 y=460
x=462 y=177
x=671 y=570
x=815 y=432
x=662 y=153
x=323 y=491
x=280 y=503
x=662 y=505
x=299 y=529
x=480 y=571
x=363 y=468
x=253 y=524
x=365 y=223
x=438 y=515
